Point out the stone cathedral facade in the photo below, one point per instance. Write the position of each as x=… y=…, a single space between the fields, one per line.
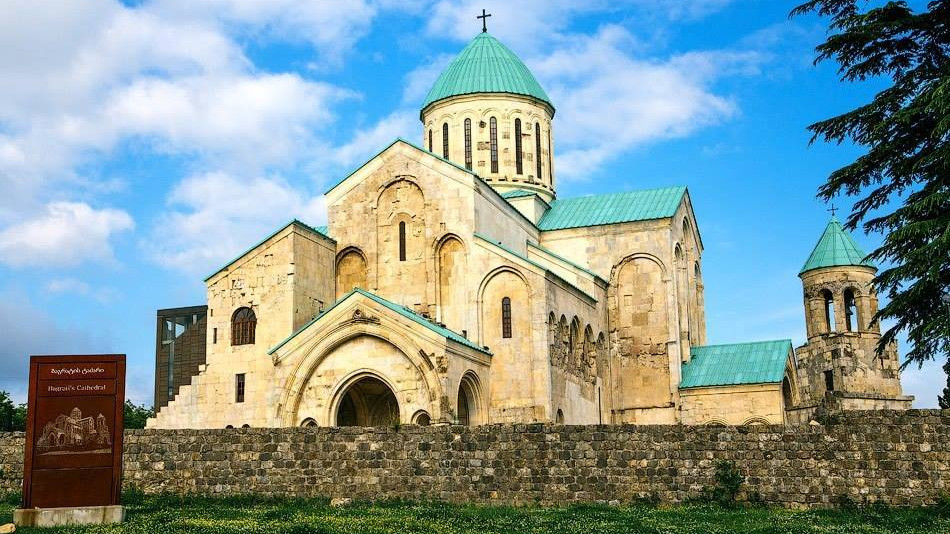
x=453 y=286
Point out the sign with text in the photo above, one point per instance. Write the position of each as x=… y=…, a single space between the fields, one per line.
x=74 y=431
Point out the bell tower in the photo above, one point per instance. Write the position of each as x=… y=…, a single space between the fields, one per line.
x=839 y=364
x=487 y=113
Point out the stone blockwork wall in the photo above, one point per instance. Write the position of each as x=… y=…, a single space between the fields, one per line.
x=900 y=458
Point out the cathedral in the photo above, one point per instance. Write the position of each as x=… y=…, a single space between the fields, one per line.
x=453 y=286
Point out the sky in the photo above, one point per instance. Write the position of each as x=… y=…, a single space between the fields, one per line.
x=143 y=144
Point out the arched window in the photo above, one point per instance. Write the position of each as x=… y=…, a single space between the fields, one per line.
x=850 y=311
x=537 y=149
x=430 y=139
x=402 y=241
x=308 y=422
x=243 y=325
x=468 y=144
x=445 y=140
x=506 y=317
x=550 y=156
x=493 y=143
x=559 y=418
x=519 y=167
x=787 y=393
x=829 y=302
x=421 y=418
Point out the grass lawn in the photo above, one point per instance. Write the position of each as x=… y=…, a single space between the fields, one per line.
x=168 y=515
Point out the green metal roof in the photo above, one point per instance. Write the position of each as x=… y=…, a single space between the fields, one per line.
x=565 y=260
x=836 y=247
x=320 y=230
x=401 y=310
x=613 y=208
x=485 y=66
x=498 y=244
x=760 y=362
x=517 y=193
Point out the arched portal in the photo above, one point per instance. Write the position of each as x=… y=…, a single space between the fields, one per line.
x=368 y=402
x=469 y=403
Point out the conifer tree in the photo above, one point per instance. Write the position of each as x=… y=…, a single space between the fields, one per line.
x=902 y=181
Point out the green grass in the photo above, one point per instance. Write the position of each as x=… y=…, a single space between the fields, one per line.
x=263 y=515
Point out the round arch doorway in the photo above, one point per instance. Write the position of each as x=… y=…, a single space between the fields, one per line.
x=368 y=402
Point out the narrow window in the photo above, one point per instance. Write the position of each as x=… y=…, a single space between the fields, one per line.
x=506 y=318
x=468 y=144
x=829 y=311
x=850 y=311
x=829 y=380
x=445 y=140
x=519 y=164
x=402 y=241
x=243 y=325
x=537 y=149
x=493 y=142
x=550 y=155
x=430 y=139
x=214 y=336
x=239 y=387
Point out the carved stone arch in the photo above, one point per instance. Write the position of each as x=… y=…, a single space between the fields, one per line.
x=408 y=178
x=342 y=390
x=352 y=270
x=575 y=343
x=471 y=405
x=403 y=259
x=490 y=112
x=451 y=273
x=480 y=298
x=589 y=355
x=756 y=421
x=715 y=422
x=308 y=364
x=638 y=256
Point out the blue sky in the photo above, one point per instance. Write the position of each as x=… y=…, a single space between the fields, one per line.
x=143 y=144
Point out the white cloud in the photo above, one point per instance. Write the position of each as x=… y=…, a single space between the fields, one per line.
x=331 y=27
x=74 y=286
x=114 y=73
x=215 y=216
x=65 y=234
x=609 y=101
x=366 y=142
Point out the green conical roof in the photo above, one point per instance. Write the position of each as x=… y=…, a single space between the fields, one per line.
x=486 y=66
x=836 y=247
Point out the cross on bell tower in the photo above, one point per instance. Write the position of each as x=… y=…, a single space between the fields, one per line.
x=484 y=16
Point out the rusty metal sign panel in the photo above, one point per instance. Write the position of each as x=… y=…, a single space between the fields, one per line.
x=74 y=431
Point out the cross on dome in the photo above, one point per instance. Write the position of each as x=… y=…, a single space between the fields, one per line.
x=484 y=16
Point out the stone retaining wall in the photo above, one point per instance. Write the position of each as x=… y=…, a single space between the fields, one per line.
x=898 y=458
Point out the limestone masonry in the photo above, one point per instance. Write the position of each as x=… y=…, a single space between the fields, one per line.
x=893 y=457
x=453 y=286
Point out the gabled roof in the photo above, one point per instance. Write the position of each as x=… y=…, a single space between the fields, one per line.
x=836 y=248
x=498 y=244
x=596 y=210
x=518 y=193
x=319 y=230
x=409 y=143
x=565 y=260
x=401 y=310
x=485 y=66
x=760 y=362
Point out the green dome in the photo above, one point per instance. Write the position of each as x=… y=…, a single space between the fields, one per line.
x=836 y=248
x=486 y=66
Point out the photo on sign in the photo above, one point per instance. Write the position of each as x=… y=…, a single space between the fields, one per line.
x=74 y=434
